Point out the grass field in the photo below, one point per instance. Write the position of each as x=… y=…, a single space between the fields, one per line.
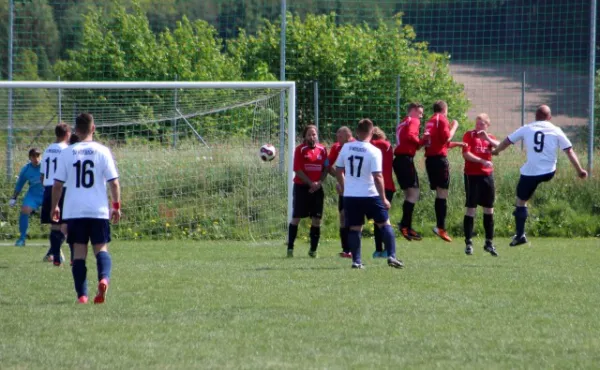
x=233 y=305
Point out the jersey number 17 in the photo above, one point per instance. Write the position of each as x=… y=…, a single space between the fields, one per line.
x=359 y=159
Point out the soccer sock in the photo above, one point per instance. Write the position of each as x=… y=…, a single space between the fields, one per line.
x=71 y=250
x=407 y=213
x=80 y=277
x=378 y=239
x=488 y=225
x=292 y=233
x=520 y=218
x=104 y=265
x=56 y=240
x=23 y=225
x=315 y=235
x=441 y=207
x=468 y=227
x=389 y=240
x=354 y=245
x=344 y=239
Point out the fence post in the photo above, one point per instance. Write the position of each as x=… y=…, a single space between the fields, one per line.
x=59 y=103
x=522 y=103
x=592 y=78
x=174 y=121
x=9 y=132
x=282 y=95
x=316 y=103
x=397 y=99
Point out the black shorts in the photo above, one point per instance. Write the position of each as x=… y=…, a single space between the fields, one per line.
x=527 y=184
x=306 y=204
x=406 y=173
x=46 y=215
x=389 y=195
x=357 y=208
x=85 y=230
x=480 y=191
x=438 y=171
x=340 y=203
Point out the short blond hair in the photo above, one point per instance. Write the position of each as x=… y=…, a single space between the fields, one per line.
x=378 y=134
x=484 y=117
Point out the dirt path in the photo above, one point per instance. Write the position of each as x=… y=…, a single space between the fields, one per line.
x=496 y=90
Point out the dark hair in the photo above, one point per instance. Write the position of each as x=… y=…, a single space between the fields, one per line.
x=413 y=105
x=74 y=139
x=83 y=123
x=365 y=126
x=34 y=152
x=308 y=127
x=439 y=106
x=61 y=130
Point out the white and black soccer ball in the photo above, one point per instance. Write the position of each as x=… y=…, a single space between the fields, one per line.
x=267 y=152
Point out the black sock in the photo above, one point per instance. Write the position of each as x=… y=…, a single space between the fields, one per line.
x=79 y=271
x=344 y=239
x=315 y=235
x=488 y=225
x=468 y=227
x=441 y=207
x=56 y=240
x=292 y=233
x=378 y=239
x=520 y=218
x=407 y=212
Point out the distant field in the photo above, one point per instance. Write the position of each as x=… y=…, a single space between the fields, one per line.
x=176 y=305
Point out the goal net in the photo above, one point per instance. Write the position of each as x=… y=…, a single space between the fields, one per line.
x=187 y=153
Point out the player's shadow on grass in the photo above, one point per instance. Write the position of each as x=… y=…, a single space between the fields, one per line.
x=306 y=268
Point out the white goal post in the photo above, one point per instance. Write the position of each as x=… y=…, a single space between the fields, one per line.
x=130 y=112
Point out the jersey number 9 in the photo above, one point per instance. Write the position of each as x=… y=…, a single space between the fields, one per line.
x=538 y=140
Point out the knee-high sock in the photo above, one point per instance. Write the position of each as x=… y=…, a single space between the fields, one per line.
x=488 y=225
x=389 y=239
x=407 y=213
x=441 y=208
x=292 y=233
x=23 y=225
x=344 y=239
x=520 y=218
x=79 y=271
x=378 y=239
x=56 y=240
x=104 y=265
x=468 y=222
x=354 y=244
x=315 y=235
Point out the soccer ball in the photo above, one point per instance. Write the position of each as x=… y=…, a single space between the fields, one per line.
x=267 y=152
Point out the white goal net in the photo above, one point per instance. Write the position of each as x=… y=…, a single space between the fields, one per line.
x=187 y=153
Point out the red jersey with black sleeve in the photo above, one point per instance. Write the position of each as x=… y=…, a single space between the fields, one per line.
x=481 y=149
x=387 y=163
x=309 y=160
x=407 y=137
x=439 y=133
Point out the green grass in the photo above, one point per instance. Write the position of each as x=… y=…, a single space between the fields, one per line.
x=234 y=305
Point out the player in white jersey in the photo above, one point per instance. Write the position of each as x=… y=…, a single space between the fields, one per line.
x=542 y=140
x=58 y=229
x=85 y=168
x=359 y=174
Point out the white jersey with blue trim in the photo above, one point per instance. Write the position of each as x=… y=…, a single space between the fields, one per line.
x=360 y=160
x=85 y=167
x=50 y=162
x=542 y=140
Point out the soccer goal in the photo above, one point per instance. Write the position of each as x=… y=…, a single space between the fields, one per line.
x=187 y=152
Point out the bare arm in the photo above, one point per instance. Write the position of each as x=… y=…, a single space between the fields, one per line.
x=57 y=189
x=503 y=145
x=340 y=174
x=115 y=196
x=453 y=129
x=380 y=185
x=303 y=177
x=575 y=162
x=468 y=156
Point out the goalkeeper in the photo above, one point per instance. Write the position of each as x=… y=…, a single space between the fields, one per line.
x=33 y=199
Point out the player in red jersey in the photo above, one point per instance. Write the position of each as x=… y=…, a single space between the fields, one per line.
x=437 y=137
x=407 y=144
x=310 y=167
x=379 y=140
x=343 y=135
x=479 y=181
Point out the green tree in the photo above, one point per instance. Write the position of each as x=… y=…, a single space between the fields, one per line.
x=356 y=66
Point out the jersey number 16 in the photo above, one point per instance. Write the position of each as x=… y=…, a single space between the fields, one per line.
x=85 y=176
